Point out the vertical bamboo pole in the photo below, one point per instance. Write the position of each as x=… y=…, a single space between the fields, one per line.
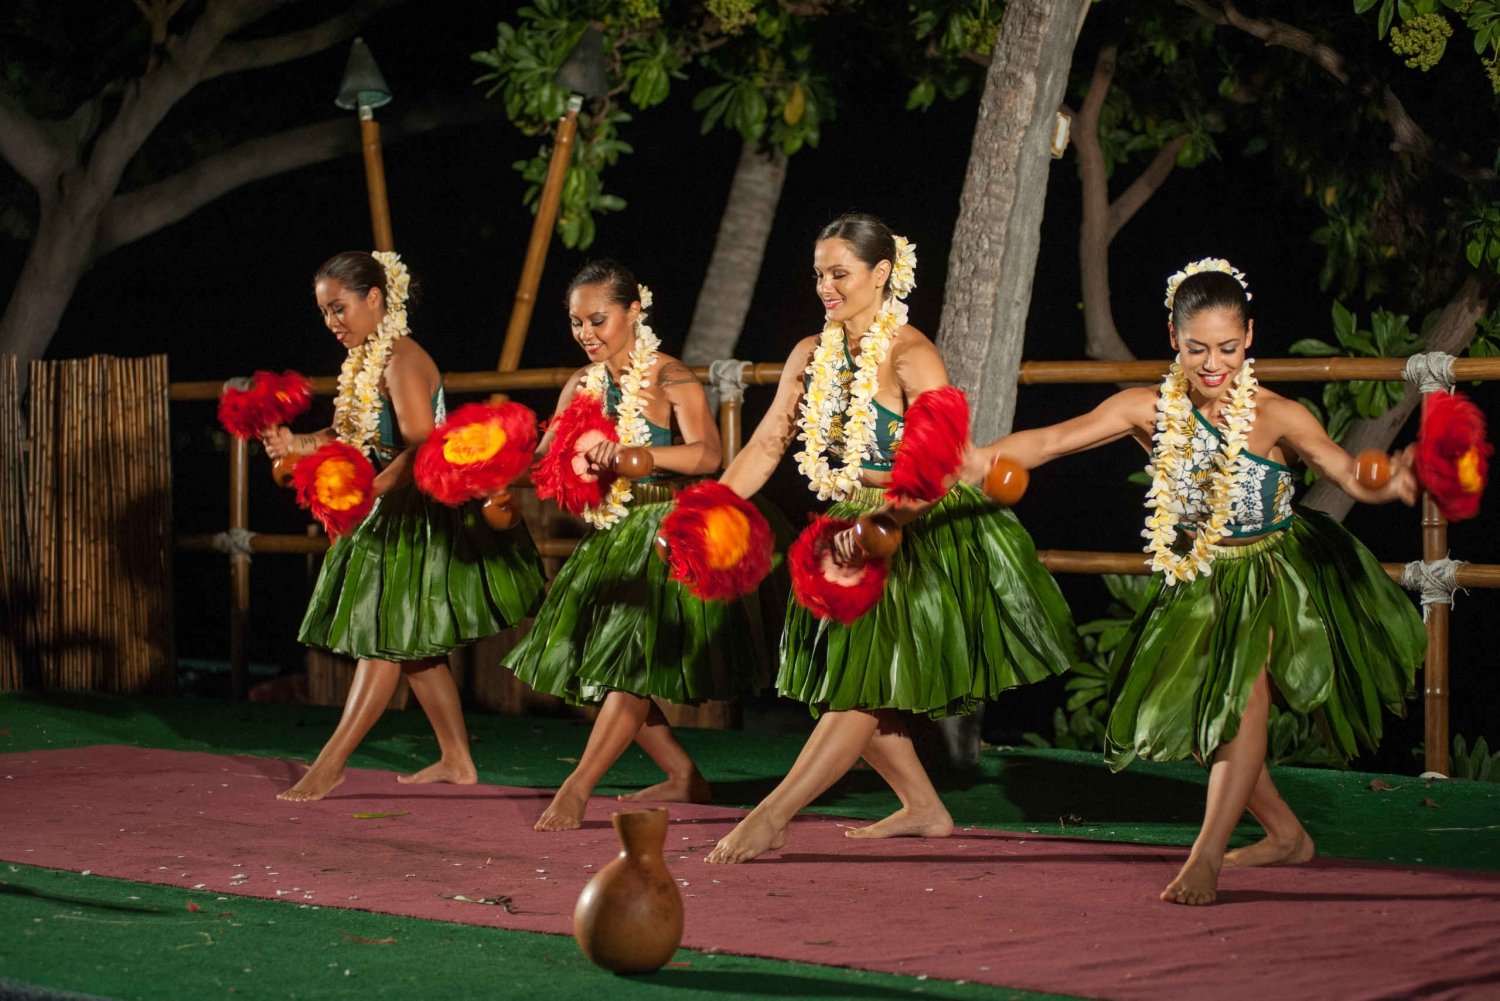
x=126 y=520
x=239 y=567
x=35 y=507
x=729 y=429
x=13 y=576
x=541 y=237
x=380 y=209
x=1435 y=687
x=162 y=486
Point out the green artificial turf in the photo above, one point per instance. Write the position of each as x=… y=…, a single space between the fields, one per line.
x=120 y=939
x=1451 y=823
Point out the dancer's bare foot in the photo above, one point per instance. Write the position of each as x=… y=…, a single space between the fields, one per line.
x=459 y=774
x=1272 y=850
x=749 y=838
x=1197 y=882
x=687 y=789
x=318 y=781
x=564 y=813
x=933 y=822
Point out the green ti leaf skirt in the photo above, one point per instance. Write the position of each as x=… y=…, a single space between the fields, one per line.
x=614 y=621
x=418 y=578
x=967 y=613
x=1309 y=604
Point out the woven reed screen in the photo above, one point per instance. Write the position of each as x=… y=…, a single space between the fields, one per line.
x=17 y=569
x=98 y=518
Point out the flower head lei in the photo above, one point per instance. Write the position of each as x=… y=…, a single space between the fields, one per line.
x=1207 y=264
x=630 y=422
x=356 y=407
x=821 y=402
x=1171 y=454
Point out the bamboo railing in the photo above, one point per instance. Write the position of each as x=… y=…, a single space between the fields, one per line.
x=1434 y=529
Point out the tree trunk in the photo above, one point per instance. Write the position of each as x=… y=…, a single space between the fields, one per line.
x=60 y=253
x=739 y=248
x=1453 y=332
x=998 y=233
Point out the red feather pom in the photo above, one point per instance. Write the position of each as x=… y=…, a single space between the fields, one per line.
x=562 y=473
x=1453 y=455
x=337 y=484
x=719 y=542
x=476 y=452
x=825 y=588
x=266 y=401
x=932 y=446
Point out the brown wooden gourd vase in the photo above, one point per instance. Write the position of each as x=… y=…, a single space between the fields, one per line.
x=629 y=917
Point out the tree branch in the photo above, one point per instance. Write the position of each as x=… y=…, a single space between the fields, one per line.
x=26 y=145
x=1124 y=208
x=138 y=213
x=1101 y=336
x=236 y=57
x=1409 y=136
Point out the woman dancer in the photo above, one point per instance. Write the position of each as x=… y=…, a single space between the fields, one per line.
x=615 y=629
x=967 y=609
x=1292 y=600
x=416 y=578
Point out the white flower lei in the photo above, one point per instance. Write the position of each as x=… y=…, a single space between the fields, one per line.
x=820 y=403
x=356 y=407
x=630 y=422
x=1173 y=445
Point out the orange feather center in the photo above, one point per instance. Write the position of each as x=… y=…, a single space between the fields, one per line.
x=1468 y=472
x=335 y=485
x=473 y=443
x=726 y=536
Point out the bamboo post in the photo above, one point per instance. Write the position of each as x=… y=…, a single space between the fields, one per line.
x=729 y=429
x=380 y=208
x=541 y=237
x=239 y=568
x=13 y=584
x=1435 y=674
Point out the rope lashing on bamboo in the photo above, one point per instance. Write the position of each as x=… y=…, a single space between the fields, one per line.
x=1430 y=371
x=1437 y=580
x=727 y=377
x=234 y=542
x=726 y=382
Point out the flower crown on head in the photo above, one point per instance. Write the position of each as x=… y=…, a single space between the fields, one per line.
x=903 y=269
x=1207 y=264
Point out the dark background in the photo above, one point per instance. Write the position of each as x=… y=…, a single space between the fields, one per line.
x=227 y=291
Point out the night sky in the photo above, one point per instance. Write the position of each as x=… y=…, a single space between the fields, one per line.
x=227 y=291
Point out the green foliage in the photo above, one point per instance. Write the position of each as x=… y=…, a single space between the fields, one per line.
x=1294 y=739
x=1389 y=336
x=1477 y=763
x=954 y=39
x=1078 y=723
x=763 y=82
x=1486 y=343
x=1421 y=34
x=1481 y=231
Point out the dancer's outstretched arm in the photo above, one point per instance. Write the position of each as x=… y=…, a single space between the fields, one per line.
x=1300 y=432
x=758 y=459
x=1129 y=412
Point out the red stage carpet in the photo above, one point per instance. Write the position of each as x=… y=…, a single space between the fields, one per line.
x=1047 y=914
